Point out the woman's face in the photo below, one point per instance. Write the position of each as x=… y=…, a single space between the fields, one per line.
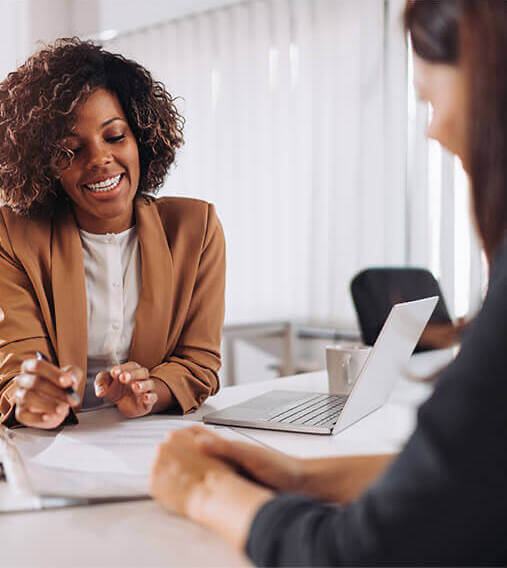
x=103 y=176
x=443 y=86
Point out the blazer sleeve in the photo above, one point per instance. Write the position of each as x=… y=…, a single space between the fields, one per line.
x=442 y=501
x=22 y=330
x=191 y=370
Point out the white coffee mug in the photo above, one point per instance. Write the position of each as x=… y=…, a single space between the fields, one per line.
x=344 y=363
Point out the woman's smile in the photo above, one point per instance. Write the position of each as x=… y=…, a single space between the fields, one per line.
x=105 y=185
x=103 y=176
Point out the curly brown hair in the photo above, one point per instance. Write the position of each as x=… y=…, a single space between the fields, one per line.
x=38 y=103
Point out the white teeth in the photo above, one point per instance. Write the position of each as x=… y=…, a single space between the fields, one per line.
x=103 y=186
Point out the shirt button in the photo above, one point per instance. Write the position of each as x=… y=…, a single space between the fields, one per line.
x=116 y=284
x=116 y=326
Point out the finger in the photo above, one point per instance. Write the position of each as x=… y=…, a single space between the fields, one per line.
x=27 y=418
x=139 y=374
x=35 y=420
x=129 y=366
x=76 y=372
x=139 y=387
x=149 y=399
x=239 y=453
x=213 y=444
x=48 y=371
x=36 y=403
x=46 y=388
x=102 y=383
x=177 y=437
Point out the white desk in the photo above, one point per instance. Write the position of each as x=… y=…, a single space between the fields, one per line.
x=142 y=534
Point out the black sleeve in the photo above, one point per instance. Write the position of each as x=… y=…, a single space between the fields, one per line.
x=444 y=499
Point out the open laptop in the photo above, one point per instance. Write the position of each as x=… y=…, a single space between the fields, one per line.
x=315 y=413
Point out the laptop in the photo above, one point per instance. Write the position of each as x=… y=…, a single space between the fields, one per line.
x=315 y=413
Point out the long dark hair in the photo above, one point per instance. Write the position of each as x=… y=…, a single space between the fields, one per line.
x=473 y=33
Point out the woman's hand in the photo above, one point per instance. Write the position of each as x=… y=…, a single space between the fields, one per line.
x=339 y=479
x=41 y=398
x=133 y=391
x=180 y=469
x=188 y=482
x=270 y=468
x=442 y=335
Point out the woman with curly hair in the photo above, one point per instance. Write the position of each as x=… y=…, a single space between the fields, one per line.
x=107 y=294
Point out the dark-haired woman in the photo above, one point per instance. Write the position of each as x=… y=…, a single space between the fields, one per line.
x=443 y=499
x=107 y=295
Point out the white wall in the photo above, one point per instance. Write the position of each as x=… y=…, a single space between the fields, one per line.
x=14 y=31
x=295 y=128
x=25 y=23
x=91 y=17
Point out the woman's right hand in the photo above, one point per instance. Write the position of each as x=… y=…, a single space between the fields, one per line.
x=41 y=398
x=272 y=469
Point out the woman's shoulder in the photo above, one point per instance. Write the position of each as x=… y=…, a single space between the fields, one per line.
x=182 y=206
x=185 y=213
x=19 y=230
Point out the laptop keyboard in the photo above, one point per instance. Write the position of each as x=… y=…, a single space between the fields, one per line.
x=320 y=410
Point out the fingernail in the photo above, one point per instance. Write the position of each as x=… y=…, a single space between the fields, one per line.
x=99 y=391
x=26 y=381
x=74 y=398
x=29 y=365
x=115 y=372
x=136 y=387
x=46 y=417
x=65 y=381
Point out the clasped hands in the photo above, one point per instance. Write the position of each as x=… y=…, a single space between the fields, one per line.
x=222 y=483
x=209 y=479
x=43 y=399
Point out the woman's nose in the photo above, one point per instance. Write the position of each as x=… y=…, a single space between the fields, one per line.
x=99 y=156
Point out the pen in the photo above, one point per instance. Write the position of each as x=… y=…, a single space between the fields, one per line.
x=69 y=390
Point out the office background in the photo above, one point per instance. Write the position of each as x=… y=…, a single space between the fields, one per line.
x=303 y=128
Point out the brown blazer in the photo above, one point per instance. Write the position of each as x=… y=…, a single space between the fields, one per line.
x=180 y=312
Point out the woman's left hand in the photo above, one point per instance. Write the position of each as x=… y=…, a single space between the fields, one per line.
x=132 y=389
x=209 y=491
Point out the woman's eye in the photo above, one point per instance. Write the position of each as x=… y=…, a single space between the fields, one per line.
x=75 y=150
x=115 y=138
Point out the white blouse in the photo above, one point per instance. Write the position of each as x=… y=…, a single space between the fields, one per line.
x=112 y=266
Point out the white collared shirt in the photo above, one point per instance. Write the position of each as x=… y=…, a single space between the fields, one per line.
x=112 y=266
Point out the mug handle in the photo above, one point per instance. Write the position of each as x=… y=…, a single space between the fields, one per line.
x=348 y=379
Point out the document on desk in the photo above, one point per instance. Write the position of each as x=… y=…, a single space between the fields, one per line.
x=105 y=455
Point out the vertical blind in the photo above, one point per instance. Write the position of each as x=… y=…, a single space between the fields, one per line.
x=297 y=129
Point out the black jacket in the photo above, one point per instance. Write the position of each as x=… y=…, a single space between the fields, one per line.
x=444 y=499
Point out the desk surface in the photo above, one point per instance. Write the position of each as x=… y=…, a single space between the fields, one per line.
x=142 y=534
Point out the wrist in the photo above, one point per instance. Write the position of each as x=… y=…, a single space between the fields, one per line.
x=304 y=476
x=227 y=504
x=299 y=475
x=165 y=397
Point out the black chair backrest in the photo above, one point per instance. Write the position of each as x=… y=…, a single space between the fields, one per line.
x=376 y=290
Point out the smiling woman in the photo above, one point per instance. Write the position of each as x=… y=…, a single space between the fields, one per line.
x=103 y=177
x=122 y=293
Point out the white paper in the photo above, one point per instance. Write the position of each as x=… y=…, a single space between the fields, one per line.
x=105 y=442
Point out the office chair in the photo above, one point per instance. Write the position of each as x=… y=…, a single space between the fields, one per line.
x=376 y=290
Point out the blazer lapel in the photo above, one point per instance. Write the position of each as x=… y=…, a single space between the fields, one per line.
x=154 y=311
x=69 y=294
